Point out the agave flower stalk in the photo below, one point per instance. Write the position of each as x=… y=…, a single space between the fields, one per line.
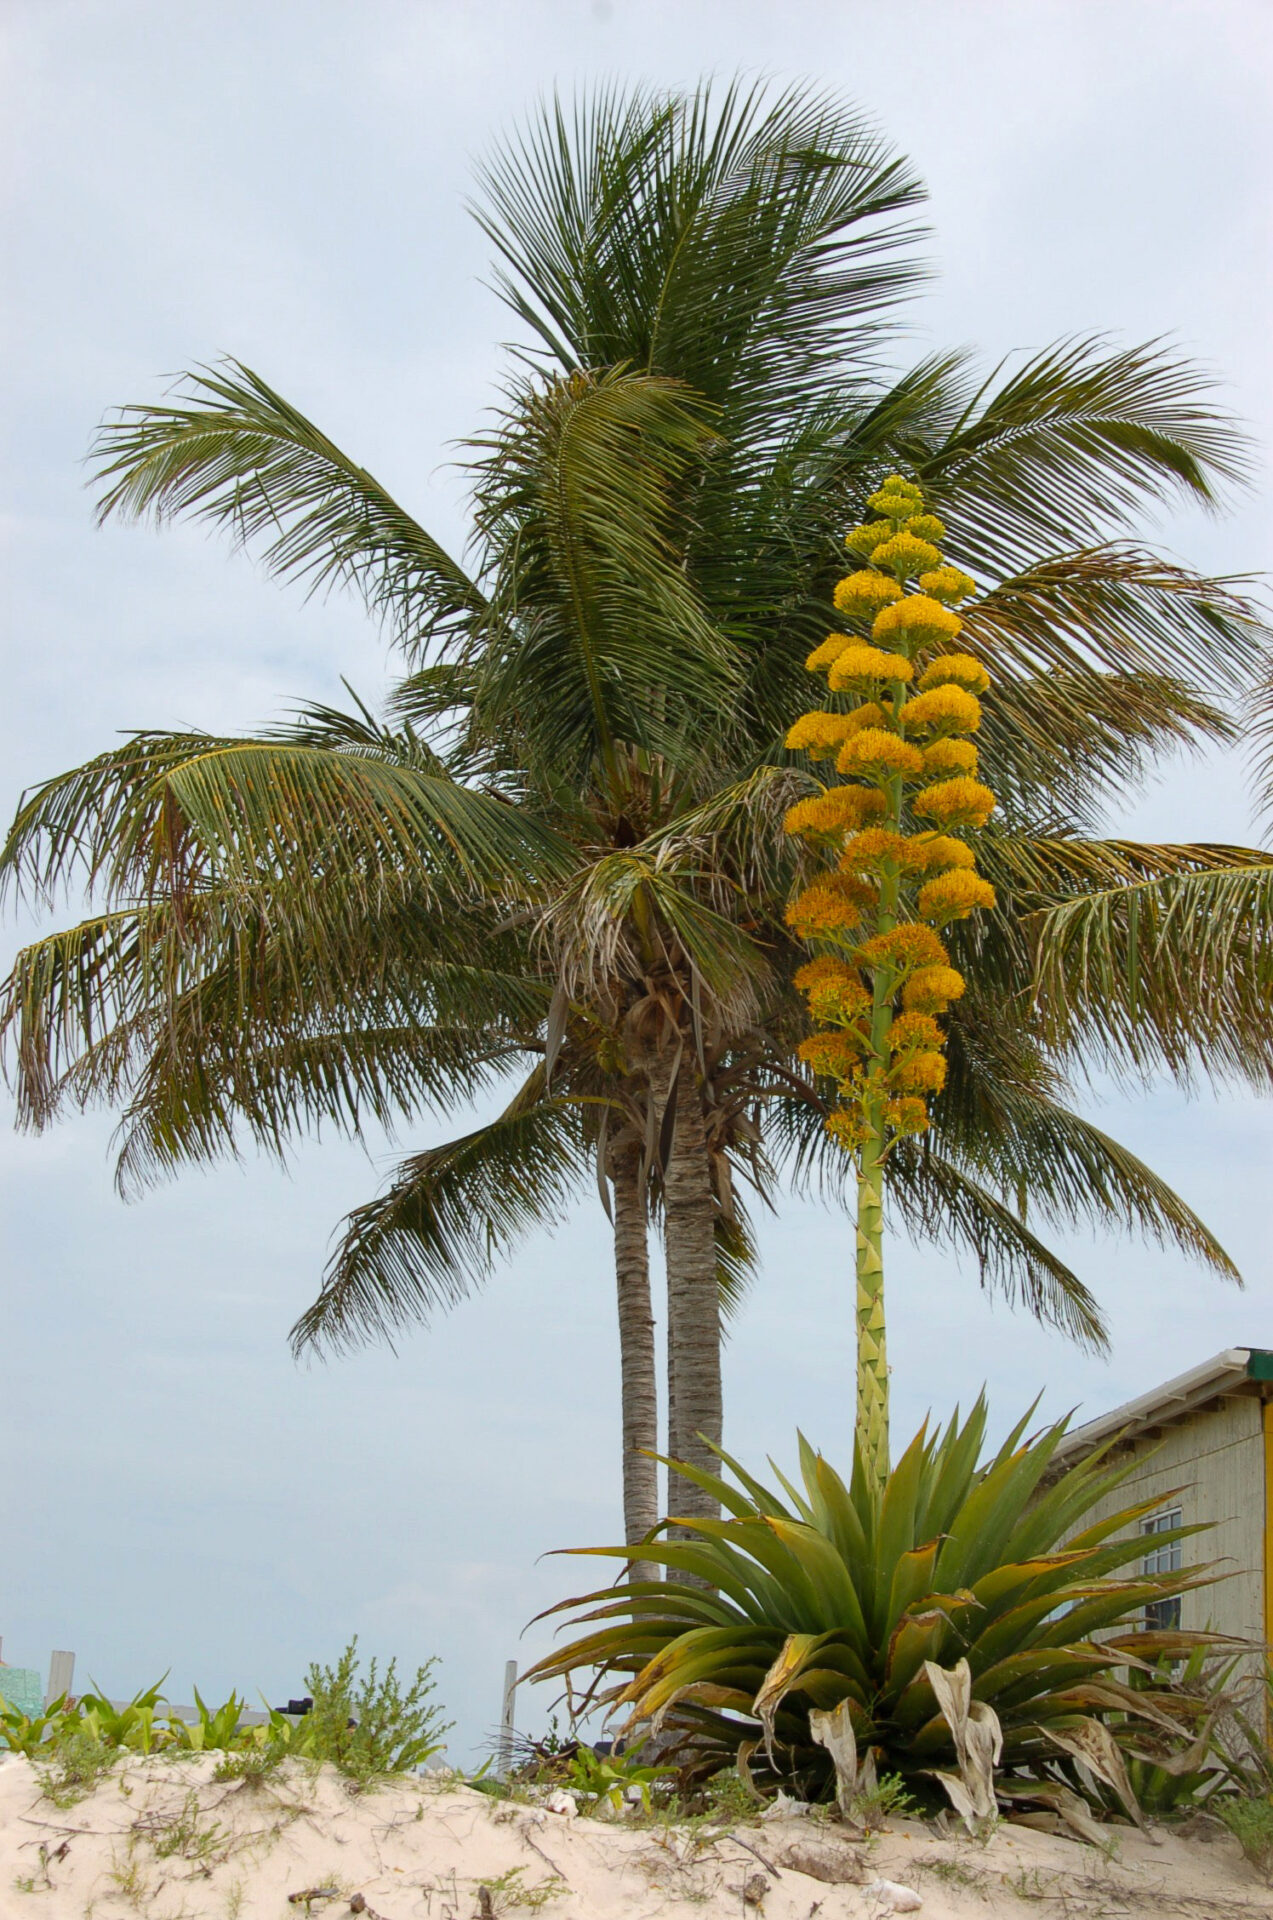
x=881 y=974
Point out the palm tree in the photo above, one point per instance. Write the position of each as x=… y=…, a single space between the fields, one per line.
x=581 y=779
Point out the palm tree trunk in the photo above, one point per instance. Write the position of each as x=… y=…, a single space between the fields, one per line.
x=639 y=1384
x=693 y=1301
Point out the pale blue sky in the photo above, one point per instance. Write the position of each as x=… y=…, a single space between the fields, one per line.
x=285 y=182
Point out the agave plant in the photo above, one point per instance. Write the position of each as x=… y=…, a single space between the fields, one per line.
x=852 y=1597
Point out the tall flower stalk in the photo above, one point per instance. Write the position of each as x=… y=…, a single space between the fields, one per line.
x=881 y=976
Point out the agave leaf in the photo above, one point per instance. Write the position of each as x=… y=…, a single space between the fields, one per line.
x=1092 y=1742
x=783 y=1675
x=976 y=1732
x=833 y=1730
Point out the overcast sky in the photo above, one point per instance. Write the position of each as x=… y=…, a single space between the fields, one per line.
x=286 y=182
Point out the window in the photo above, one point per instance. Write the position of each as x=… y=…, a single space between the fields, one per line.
x=1162 y=1615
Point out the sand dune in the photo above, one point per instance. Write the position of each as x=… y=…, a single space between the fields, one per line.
x=161 y=1839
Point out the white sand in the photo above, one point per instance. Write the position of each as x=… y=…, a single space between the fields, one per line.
x=419 y=1851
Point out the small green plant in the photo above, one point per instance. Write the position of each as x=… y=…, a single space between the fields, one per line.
x=887 y=1799
x=186 y=1836
x=370 y=1727
x=26 y=1733
x=730 y=1799
x=132 y=1726
x=75 y=1764
x=509 y=1891
x=1250 y=1821
x=608 y=1776
x=216 y=1729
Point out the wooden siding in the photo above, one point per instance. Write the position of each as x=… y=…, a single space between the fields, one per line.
x=1216 y=1458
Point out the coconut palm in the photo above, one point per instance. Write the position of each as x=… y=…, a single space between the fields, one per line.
x=580 y=781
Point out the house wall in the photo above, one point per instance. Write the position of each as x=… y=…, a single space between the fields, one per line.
x=1216 y=1458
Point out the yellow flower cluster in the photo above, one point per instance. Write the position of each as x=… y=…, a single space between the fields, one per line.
x=826 y=651
x=835 y=1055
x=948 y=584
x=912 y=1031
x=953 y=896
x=901 y=949
x=877 y=912
x=907 y=1116
x=838 y=810
x=818 y=734
x=955 y=669
x=950 y=756
x=918 y=620
x=905 y=555
x=860 y=596
x=860 y=662
x=898 y=498
x=936 y=852
x=920 y=1073
x=876 y=754
x=955 y=803
x=834 y=990
x=867 y=852
x=833 y=904
x=931 y=989
x=953 y=708
x=865 y=540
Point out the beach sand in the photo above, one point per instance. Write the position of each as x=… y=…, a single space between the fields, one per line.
x=161 y=1839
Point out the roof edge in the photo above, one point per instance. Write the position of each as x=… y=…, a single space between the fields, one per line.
x=1224 y=1372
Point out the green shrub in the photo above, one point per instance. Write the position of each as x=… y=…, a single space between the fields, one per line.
x=1251 y=1824
x=835 y=1593
x=370 y=1727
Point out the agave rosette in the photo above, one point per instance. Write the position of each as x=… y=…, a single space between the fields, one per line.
x=833 y=1593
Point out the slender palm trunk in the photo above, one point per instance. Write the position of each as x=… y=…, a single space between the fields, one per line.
x=693 y=1301
x=639 y=1387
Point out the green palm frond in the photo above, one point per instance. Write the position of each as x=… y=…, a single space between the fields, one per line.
x=233 y=452
x=598 y=635
x=448 y=1216
x=1066 y=745
x=196 y=1101
x=739 y=239
x=175 y=812
x=1118 y=609
x=1173 y=969
x=1069 y=446
x=941 y=1205
x=642 y=911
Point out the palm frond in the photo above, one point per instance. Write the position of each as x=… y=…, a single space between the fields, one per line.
x=940 y=1204
x=233 y=452
x=1165 y=969
x=1069 y=446
x=597 y=635
x=741 y=240
x=1118 y=609
x=447 y=1217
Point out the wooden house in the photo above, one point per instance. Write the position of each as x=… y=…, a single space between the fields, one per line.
x=1203 y=1448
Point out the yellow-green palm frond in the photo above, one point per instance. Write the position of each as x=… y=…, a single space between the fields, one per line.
x=233 y=452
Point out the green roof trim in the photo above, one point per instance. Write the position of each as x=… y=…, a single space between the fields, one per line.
x=1260 y=1364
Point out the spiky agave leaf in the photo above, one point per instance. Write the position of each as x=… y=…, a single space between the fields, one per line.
x=831 y=1592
